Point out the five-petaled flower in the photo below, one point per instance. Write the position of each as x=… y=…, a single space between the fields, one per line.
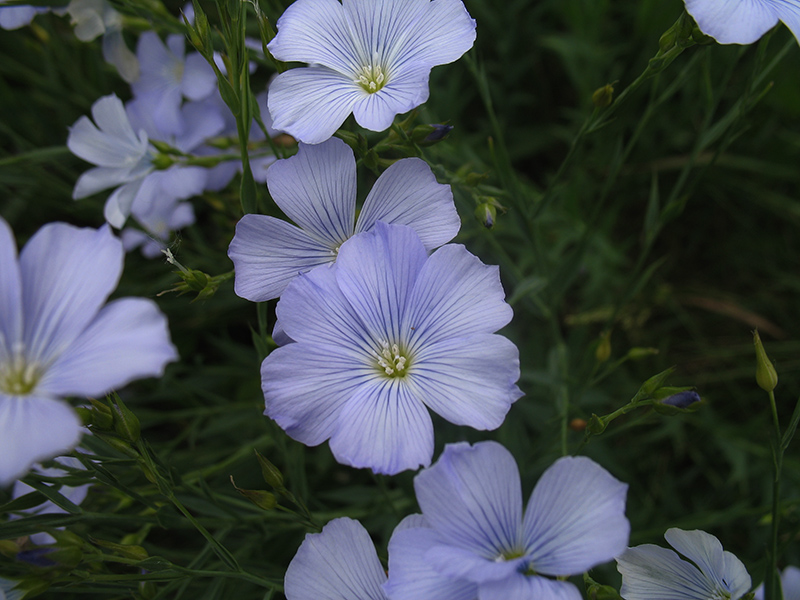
x=743 y=21
x=650 y=572
x=368 y=57
x=473 y=540
x=316 y=188
x=383 y=333
x=58 y=337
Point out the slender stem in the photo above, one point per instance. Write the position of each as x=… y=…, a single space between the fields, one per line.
x=772 y=591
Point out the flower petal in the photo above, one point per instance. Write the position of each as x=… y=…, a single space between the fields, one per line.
x=404 y=91
x=440 y=36
x=198 y=79
x=385 y=428
x=575 y=518
x=522 y=587
x=412 y=577
x=128 y=340
x=67 y=275
x=98 y=179
x=472 y=497
x=468 y=381
x=33 y=429
x=376 y=271
x=703 y=549
x=114 y=144
x=311 y=103
x=268 y=253
x=650 y=572
x=340 y=563
x=119 y=203
x=455 y=295
x=10 y=293
x=733 y=21
x=407 y=193
x=316 y=189
x=305 y=389
x=316 y=32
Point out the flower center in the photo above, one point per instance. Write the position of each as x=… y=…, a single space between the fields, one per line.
x=391 y=360
x=18 y=378
x=371 y=78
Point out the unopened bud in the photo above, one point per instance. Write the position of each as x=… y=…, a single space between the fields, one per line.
x=428 y=135
x=102 y=417
x=486 y=214
x=126 y=424
x=262 y=499
x=270 y=472
x=596 y=424
x=603 y=351
x=683 y=399
x=653 y=384
x=639 y=353
x=604 y=96
x=766 y=377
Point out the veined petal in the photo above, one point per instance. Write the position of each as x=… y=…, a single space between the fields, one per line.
x=472 y=497
x=468 y=381
x=316 y=189
x=575 y=518
x=407 y=193
x=127 y=340
x=733 y=21
x=10 y=293
x=313 y=310
x=98 y=179
x=412 y=577
x=109 y=115
x=316 y=32
x=788 y=12
x=340 y=563
x=383 y=427
x=116 y=147
x=305 y=388
x=403 y=91
x=650 y=572
x=723 y=568
x=33 y=429
x=268 y=253
x=465 y=565
x=118 y=205
x=67 y=275
x=455 y=295
x=198 y=79
x=522 y=587
x=376 y=271
x=311 y=103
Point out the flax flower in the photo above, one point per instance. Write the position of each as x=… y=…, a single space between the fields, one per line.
x=317 y=189
x=382 y=334
x=474 y=541
x=58 y=338
x=743 y=21
x=368 y=57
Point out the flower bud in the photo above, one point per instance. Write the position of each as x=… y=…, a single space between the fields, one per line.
x=604 y=96
x=262 y=499
x=486 y=214
x=682 y=399
x=603 y=351
x=428 y=135
x=102 y=417
x=596 y=424
x=126 y=424
x=766 y=377
x=270 y=472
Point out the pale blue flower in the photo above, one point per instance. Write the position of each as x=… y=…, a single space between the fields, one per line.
x=166 y=76
x=650 y=572
x=7 y=591
x=790 y=585
x=58 y=338
x=157 y=224
x=474 y=541
x=317 y=189
x=743 y=21
x=368 y=57
x=382 y=335
x=340 y=563
x=14 y=17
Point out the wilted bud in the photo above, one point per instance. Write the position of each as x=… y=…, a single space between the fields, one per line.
x=428 y=135
x=126 y=424
x=766 y=377
x=262 y=499
x=270 y=472
x=603 y=351
x=604 y=96
x=486 y=214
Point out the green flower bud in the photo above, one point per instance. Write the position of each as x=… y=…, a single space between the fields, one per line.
x=102 y=417
x=162 y=161
x=262 y=499
x=486 y=214
x=603 y=351
x=270 y=472
x=596 y=424
x=766 y=377
x=126 y=424
x=604 y=96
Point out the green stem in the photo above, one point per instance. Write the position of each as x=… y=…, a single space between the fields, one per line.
x=772 y=590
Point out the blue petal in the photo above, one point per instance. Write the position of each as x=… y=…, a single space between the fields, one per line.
x=376 y=271
x=316 y=189
x=198 y=79
x=67 y=275
x=33 y=429
x=404 y=91
x=268 y=253
x=650 y=572
x=521 y=587
x=407 y=193
x=733 y=21
x=127 y=340
x=340 y=563
x=311 y=103
x=468 y=381
x=472 y=498
x=575 y=518
x=10 y=294
x=703 y=549
x=440 y=36
x=412 y=577
x=455 y=295
x=384 y=428
x=119 y=203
